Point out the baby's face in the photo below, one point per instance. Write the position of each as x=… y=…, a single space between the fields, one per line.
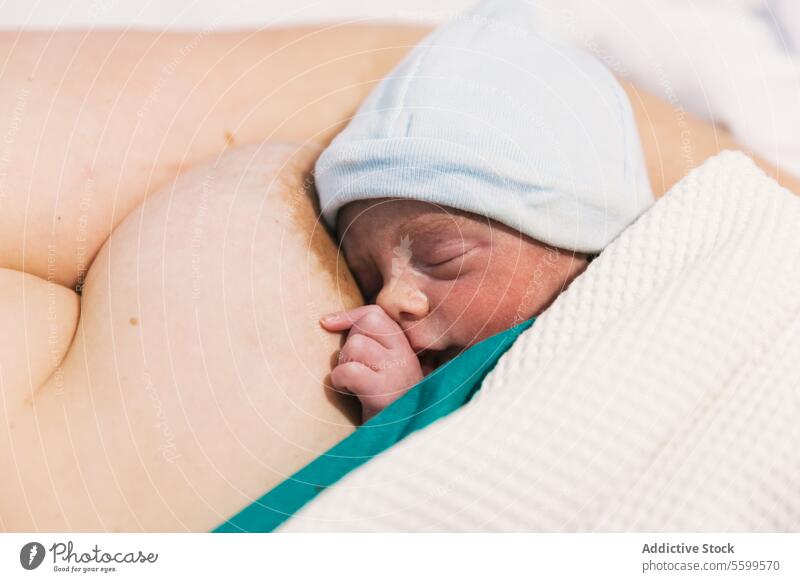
x=449 y=278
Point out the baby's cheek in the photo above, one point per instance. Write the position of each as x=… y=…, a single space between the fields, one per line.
x=510 y=296
x=480 y=309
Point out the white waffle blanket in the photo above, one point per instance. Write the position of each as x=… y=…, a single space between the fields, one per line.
x=661 y=392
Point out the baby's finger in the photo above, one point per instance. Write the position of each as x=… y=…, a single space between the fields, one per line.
x=344 y=320
x=382 y=328
x=354 y=377
x=364 y=349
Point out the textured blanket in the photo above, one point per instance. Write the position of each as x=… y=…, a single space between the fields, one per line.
x=660 y=392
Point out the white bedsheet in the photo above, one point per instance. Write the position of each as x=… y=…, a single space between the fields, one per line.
x=731 y=61
x=661 y=392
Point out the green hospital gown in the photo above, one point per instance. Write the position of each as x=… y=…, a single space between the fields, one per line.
x=446 y=389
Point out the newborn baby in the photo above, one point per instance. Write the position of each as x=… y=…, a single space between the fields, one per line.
x=441 y=280
x=469 y=190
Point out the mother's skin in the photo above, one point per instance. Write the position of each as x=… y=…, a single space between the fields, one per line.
x=186 y=380
x=193 y=382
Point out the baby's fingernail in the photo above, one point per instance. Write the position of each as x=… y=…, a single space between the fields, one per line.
x=330 y=318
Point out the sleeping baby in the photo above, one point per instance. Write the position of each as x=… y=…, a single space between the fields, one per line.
x=471 y=187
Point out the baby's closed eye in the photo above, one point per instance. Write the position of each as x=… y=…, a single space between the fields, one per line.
x=447 y=263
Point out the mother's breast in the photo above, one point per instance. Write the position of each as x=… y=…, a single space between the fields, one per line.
x=196 y=381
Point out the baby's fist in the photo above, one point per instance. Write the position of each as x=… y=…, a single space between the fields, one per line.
x=376 y=362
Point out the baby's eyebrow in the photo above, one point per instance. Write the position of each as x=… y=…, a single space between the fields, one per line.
x=425 y=226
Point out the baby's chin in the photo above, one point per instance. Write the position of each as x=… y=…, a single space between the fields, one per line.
x=433 y=359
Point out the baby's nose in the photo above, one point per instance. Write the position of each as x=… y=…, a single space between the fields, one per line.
x=402 y=299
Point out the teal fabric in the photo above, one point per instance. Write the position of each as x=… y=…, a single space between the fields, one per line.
x=443 y=391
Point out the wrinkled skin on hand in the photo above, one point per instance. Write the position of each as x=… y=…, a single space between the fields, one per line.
x=376 y=363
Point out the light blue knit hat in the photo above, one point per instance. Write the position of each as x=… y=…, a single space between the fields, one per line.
x=491 y=116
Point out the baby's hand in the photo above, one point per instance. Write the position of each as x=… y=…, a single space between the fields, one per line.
x=376 y=362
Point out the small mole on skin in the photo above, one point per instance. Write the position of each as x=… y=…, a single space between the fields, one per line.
x=134 y=321
x=59 y=218
x=229 y=141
